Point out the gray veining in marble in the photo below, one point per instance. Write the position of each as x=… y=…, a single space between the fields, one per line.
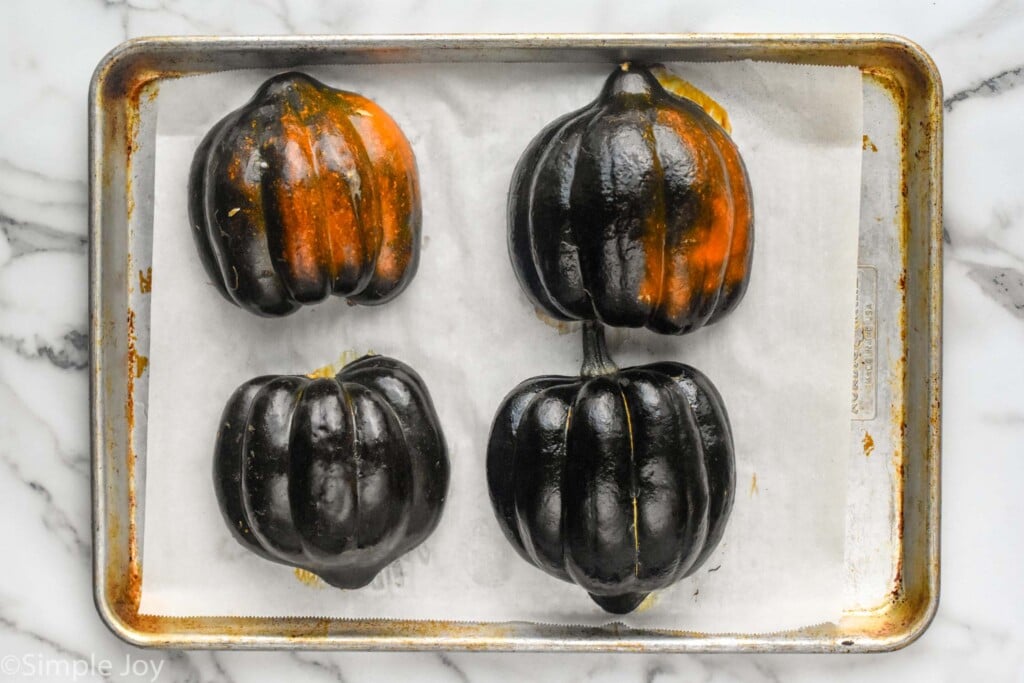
x=989 y=87
x=1003 y=284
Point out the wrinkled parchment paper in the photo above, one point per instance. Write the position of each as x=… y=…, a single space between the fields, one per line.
x=781 y=360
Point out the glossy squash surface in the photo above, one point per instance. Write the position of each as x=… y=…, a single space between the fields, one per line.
x=634 y=211
x=305 y=192
x=339 y=476
x=620 y=481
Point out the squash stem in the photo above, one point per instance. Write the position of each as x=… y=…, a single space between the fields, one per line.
x=596 y=359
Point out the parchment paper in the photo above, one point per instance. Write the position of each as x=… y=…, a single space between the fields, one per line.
x=781 y=361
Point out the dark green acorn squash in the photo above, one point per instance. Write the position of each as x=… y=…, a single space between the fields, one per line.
x=634 y=211
x=620 y=481
x=305 y=192
x=339 y=475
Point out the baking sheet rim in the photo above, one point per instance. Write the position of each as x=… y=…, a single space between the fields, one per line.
x=897 y=623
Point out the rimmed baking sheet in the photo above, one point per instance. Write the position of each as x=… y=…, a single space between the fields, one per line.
x=893 y=580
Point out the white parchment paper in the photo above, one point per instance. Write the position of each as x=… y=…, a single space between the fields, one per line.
x=781 y=360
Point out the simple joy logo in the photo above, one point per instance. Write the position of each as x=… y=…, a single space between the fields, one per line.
x=33 y=665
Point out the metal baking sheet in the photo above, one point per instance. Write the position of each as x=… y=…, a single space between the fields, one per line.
x=893 y=510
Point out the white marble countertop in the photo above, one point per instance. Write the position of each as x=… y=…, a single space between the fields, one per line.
x=48 y=625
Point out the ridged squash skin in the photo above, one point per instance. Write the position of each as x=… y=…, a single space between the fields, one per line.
x=339 y=476
x=634 y=211
x=303 y=193
x=618 y=480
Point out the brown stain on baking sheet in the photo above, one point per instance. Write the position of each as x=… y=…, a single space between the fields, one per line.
x=125 y=590
x=904 y=603
x=563 y=327
x=650 y=601
x=753 y=485
x=146 y=280
x=331 y=369
x=141 y=363
x=868 y=443
x=129 y=409
x=680 y=87
x=867 y=145
x=149 y=90
x=296 y=632
x=900 y=483
x=308 y=578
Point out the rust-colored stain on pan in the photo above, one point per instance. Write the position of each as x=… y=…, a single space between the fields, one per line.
x=896 y=91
